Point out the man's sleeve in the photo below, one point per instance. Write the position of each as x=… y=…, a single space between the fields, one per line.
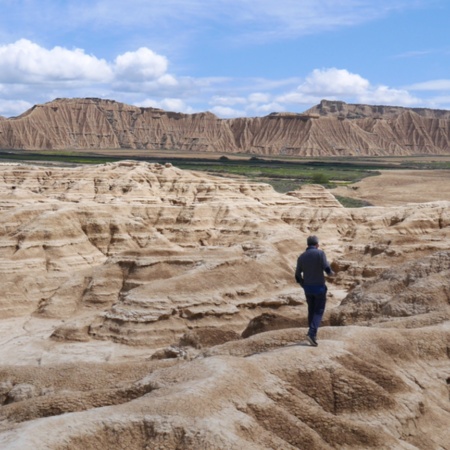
x=326 y=266
x=298 y=273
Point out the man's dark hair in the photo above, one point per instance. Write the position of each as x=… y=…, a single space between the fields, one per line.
x=312 y=240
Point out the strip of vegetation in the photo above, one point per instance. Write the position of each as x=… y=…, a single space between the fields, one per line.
x=299 y=173
x=426 y=165
x=349 y=202
x=69 y=158
x=284 y=176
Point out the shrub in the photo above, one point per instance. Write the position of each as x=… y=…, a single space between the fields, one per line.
x=320 y=178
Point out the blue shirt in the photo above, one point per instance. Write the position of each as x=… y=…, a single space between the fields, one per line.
x=311 y=266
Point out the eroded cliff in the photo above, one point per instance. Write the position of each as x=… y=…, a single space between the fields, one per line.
x=331 y=128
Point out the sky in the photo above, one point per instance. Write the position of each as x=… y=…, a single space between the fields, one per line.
x=234 y=58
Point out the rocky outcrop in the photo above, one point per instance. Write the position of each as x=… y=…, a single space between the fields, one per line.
x=143 y=306
x=331 y=128
x=125 y=240
x=364 y=388
x=151 y=248
x=418 y=288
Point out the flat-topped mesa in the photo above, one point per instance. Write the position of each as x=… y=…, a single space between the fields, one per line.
x=335 y=108
x=331 y=128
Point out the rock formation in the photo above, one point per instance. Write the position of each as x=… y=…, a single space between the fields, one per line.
x=331 y=128
x=143 y=306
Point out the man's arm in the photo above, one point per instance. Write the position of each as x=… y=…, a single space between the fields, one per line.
x=326 y=266
x=298 y=273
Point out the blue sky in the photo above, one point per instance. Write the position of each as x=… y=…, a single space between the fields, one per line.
x=234 y=58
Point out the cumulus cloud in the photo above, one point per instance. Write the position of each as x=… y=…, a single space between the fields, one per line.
x=142 y=77
x=340 y=84
x=334 y=82
x=27 y=62
x=387 y=96
x=62 y=72
x=140 y=65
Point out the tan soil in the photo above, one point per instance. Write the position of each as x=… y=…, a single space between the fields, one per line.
x=398 y=187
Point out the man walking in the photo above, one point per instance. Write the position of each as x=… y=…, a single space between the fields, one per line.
x=309 y=274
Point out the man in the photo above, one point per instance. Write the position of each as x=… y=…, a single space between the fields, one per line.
x=309 y=274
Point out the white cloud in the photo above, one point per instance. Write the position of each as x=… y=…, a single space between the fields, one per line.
x=263 y=19
x=227 y=101
x=168 y=104
x=140 y=65
x=340 y=84
x=31 y=72
x=168 y=80
x=227 y=112
x=387 y=96
x=254 y=104
x=299 y=98
x=440 y=102
x=414 y=54
x=10 y=108
x=259 y=97
x=266 y=108
x=433 y=85
x=27 y=62
x=334 y=82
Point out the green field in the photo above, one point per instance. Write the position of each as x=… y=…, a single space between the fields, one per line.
x=284 y=174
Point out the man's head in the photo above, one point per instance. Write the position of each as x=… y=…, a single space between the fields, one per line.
x=312 y=241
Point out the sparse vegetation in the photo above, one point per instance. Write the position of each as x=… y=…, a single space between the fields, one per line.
x=320 y=178
x=283 y=174
x=349 y=202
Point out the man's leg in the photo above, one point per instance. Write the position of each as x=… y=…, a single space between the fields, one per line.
x=318 y=308
x=310 y=302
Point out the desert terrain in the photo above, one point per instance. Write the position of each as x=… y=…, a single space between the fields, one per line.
x=397 y=187
x=148 y=307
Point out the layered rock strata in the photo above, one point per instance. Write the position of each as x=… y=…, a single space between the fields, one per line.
x=329 y=129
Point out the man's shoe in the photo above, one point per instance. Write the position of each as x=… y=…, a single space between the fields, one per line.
x=312 y=340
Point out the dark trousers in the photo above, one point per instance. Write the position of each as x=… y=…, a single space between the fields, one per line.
x=316 y=308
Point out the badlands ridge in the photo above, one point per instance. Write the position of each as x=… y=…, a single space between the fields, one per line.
x=332 y=128
x=143 y=306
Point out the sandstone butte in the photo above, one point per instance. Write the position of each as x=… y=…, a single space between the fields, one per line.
x=330 y=128
x=147 y=307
